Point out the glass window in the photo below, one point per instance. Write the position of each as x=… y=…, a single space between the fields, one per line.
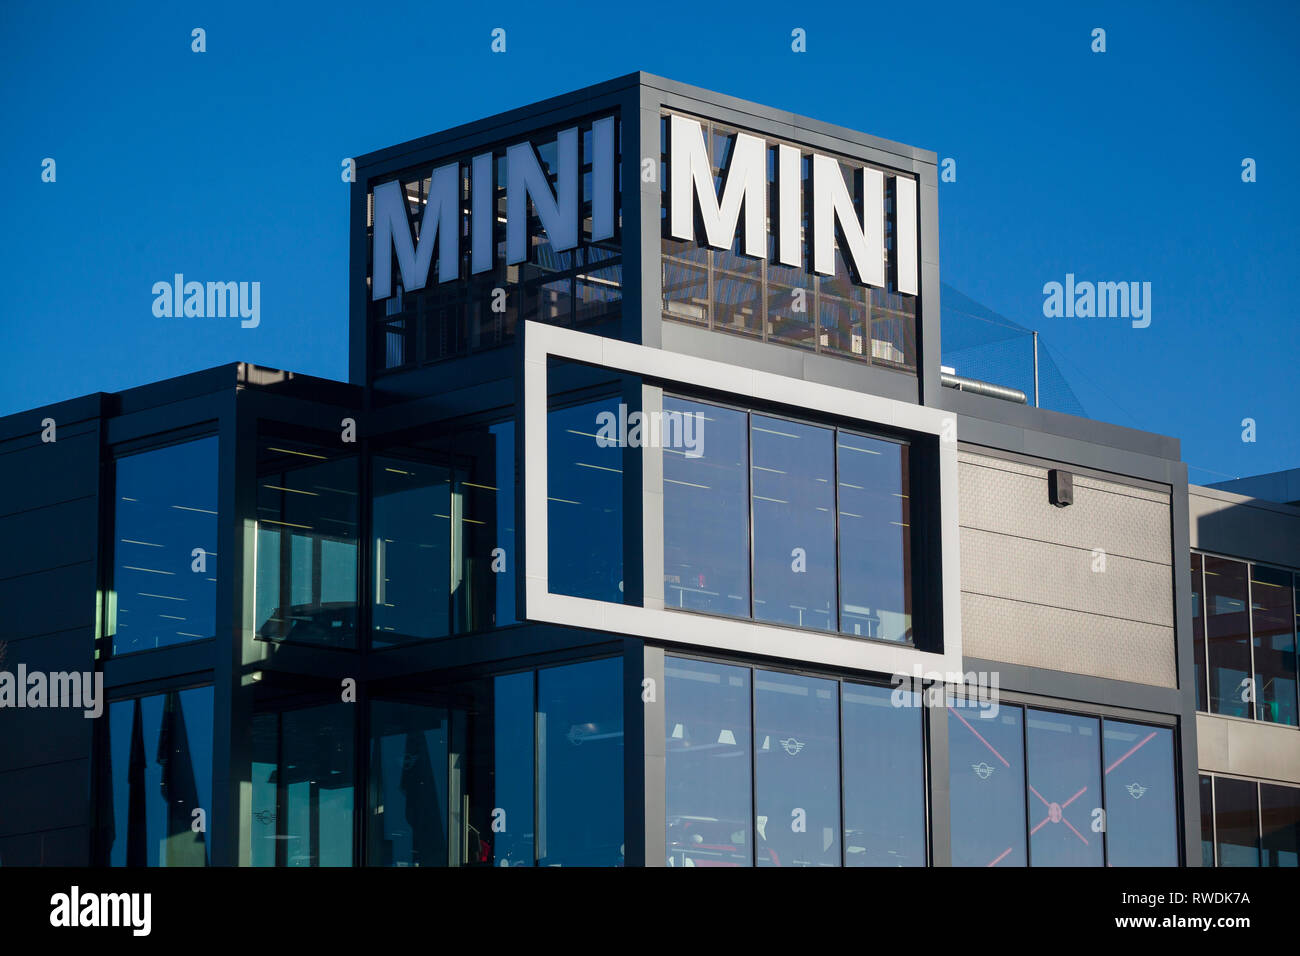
x=707 y=731
x=875 y=538
x=412 y=547
x=1273 y=623
x=302 y=787
x=793 y=496
x=1198 y=631
x=165 y=547
x=986 y=779
x=796 y=770
x=580 y=764
x=884 y=777
x=158 y=762
x=1236 y=818
x=484 y=582
x=706 y=508
x=1281 y=824
x=1207 y=820
x=585 y=500
x=306 y=543
x=1141 y=795
x=1227 y=634
x=508 y=821
x=1065 y=811
x=413 y=802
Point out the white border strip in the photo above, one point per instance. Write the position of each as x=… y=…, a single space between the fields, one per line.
x=542 y=341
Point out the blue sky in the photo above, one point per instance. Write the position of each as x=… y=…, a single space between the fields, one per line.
x=1123 y=165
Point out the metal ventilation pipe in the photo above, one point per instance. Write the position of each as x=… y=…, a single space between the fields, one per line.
x=984 y=388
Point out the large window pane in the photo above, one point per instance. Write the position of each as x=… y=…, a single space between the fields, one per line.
x=796 y=770
x=164 y=548
x=1273 y=621
x=508 y=822
x=158 y=761
x=414 y=795
x=580 y=764
x=1207 y=820
x=706 y=509
x=1064 y=790
x=1198 y=631
x=1236 y=819
x=986 y=779
x=484 y=582
x=875 y=538
x=302 y=787
x=306 y=543
x=1227 y=635
x=884 y=777
x=1281 y=824
x=585 y=501
x=707 y=730
x=412 y=547
x=793 y=491
x=1141 y=795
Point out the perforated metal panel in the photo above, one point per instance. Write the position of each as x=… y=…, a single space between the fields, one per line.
x=1034 y=591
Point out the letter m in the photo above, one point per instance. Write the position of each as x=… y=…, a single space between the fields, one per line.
x=65 y=689
x=393 y=234
x=1115 y=302
x=745 y=187
x=222 y=299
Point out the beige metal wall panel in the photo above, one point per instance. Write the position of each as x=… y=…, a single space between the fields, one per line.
x=1011 y=497
x=1030 y=594
x=1247 y=748
x=1036 y=635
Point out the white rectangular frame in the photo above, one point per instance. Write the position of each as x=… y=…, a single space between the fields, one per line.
x=541 y=341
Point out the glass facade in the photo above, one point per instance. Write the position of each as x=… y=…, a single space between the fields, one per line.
x=814 y=532
x=443 y=535
x=1249 y=823
x=1054 y=803
x=580 y=287
x=1244 y=638
x=763 y=300
x=307 y=525
x=156 y=769
x=835 y=775
x=164 y=547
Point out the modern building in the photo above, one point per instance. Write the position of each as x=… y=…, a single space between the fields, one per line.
x=647 y=530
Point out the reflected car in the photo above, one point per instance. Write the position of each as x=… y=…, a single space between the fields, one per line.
x=708 y=841
x=324 y=625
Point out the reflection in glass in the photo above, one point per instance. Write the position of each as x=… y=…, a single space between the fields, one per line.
x=1236 y=819
x=1198 y=631
x=165 y=547
x=1064 y=789
x=1281 y=824
x=505 y=819
x=585 y=502
x=302 y=787
x=986 y=779
x=306 y=543
x=796 y=770
x=793 y=495
x=884 y=777
x=1273 y=623
x=412 y=548
x=1227 y=634
x=706 y=510
x=483 y=584
x=875 y=538
x=1141 y=795
x=1207 y=820
x=707 y=731
x=158 y=759
x=580 y=764
x=415 y=785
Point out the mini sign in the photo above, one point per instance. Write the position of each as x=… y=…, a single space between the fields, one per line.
x=858 y=211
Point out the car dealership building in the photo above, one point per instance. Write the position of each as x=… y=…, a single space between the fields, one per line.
x=647 y=530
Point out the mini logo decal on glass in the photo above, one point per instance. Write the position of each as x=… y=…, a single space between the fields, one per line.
x=1135 y=790
x=982 y=769
x=791 y=746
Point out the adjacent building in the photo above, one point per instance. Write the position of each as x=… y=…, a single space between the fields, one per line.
x=647 y=530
